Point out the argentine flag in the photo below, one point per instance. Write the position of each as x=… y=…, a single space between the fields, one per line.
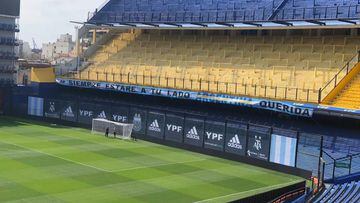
x=283 y=150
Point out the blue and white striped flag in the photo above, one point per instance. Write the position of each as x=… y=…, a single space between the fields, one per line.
x=283 y=150
x=35 y=106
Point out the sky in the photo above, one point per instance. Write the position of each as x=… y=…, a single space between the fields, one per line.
x=45 y=20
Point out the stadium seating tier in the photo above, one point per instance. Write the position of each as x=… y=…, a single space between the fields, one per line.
x=347 y=192
x=180 y=11
x=284 y=67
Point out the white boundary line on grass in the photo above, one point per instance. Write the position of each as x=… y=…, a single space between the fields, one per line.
x=97 y=168
x=52 y=155
x=239 y=193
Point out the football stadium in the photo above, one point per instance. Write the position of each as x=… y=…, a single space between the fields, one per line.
x=187 y=101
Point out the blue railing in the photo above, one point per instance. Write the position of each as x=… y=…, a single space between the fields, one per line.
x=338 y=167
x=339 y=76
x=9 y=27
x=10 y=41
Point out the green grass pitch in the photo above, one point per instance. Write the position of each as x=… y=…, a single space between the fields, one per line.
x=44 y=163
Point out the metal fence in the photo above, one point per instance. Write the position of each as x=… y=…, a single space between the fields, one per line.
x=338 y=167
x=213 y=86
x=334 y=82
x=265 y=91
x=309 y=152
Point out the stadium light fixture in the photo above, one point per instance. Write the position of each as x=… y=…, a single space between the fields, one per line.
x=127 y=24
x=347 y=21
x=151 y=24
x=316 y=22
x=226 y=24
x=283 y=23
x=200 y=24
x=253 y=24
x=173 y=24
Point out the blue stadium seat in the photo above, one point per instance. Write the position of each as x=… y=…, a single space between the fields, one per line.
x=339 y=192
x=347 y=192
x=330 y=194
x=324 y=194
x=354 y=192
x=226 y=11
x=356 y=198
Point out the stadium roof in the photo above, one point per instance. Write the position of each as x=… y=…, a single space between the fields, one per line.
x=227 y=14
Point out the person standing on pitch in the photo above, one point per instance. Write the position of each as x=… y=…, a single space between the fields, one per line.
x=133 y=137
x=114 y=132
x=107 y=132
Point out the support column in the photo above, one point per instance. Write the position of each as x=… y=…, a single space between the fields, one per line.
x=94 y=36
x=354 y=32
x=77 y=45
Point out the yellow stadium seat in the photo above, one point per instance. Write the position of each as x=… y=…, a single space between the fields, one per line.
x=236 y=64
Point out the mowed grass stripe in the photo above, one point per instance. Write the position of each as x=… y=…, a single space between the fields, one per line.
x=99 y=159
x=46 y=160
x=93 y=159
x=147 y=172
x=157 y=151
x=31 y=181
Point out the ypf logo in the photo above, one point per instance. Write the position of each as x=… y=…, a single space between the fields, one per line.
x=85 y=113
x=174 y=128
x=214 y=136
x=120 y=118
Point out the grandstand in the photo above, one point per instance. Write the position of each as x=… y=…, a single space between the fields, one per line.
x=271 y=83
x=283 y=67
x=127 y=11
x=283 y=50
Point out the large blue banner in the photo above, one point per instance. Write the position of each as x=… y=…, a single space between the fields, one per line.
x=279 y=106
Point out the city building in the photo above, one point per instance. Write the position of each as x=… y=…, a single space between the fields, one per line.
x=63 y=47
x=9 y=15
x=25 y=50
